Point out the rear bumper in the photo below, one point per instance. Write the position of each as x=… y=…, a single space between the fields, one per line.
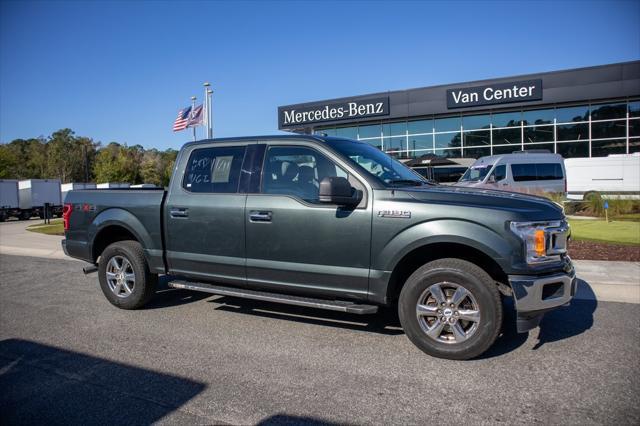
x=536 y=295
x=76 y=249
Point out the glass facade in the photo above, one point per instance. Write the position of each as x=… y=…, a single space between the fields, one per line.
x=584 y=130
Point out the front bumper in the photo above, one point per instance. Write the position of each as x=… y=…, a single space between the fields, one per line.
x=535 y=295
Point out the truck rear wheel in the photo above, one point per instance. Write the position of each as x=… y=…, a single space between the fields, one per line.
x=451 y=308
x=124 y=275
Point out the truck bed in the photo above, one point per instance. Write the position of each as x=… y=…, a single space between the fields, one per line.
x=93 y=209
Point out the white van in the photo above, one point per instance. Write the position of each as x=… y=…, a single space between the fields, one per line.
x=533 y=172
x=617 y=175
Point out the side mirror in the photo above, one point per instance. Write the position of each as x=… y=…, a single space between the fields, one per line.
x=492 y=179
x=338 y=190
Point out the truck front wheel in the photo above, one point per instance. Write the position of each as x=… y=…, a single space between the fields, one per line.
x=451 y=308
x=124 y=275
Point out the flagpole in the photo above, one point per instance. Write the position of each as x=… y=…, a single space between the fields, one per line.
x=193 y=107
x=210 y=111
x=207 y=123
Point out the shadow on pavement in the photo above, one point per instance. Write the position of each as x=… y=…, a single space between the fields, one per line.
x=166 y=296
x=41 y=384
x=384 y=322
x=569 y=321
x=561 y=323
x=284 y=419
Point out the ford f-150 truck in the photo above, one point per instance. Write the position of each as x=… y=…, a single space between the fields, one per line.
x=333 y=224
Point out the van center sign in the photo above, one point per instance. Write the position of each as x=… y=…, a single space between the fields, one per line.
x=517 y=91
x=335 y=111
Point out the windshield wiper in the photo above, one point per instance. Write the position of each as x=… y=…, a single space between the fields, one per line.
x=412 y=182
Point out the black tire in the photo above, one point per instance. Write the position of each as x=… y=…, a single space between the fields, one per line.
x=25 y=215
x=485 y=295
x=145 y=282
x=3 y=216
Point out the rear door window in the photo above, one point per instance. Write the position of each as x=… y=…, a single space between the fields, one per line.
x=214 y=170
x=533 y=172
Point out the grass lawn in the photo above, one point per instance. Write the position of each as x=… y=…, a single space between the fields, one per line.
x=630 y=216
x=619 y=232
x=55 y=228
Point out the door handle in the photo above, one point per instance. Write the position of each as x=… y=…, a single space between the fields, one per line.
x=179 y=212
x=256 y=216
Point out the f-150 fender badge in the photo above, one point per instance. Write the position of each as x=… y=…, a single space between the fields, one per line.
x=400 y=214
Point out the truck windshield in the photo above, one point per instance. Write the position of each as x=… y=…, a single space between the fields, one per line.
x=476 y=173
x=371 y=160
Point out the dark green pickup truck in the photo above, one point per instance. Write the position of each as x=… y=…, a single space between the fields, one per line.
x=333 y=224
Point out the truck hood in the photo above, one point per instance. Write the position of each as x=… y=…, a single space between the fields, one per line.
x=539 y=208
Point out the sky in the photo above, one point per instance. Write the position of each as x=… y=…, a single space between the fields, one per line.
x=120 y=71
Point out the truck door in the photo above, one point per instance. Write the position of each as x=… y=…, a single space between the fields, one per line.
x=204 y=215
x=294 y=242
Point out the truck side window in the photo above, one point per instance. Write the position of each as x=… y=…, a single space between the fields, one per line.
x=214 y=170
x=296 y=171
x=500 y=172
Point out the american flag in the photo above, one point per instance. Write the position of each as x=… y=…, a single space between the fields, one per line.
x=182 y=120
x=196 y=117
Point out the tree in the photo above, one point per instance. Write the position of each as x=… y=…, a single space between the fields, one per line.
x=36 y=161
x=19 y=151
x=72 y=158
x=168 y=160
x=69 y=157
x=8 y=163
x=151 y=169
x=60 y=161
x=116 y=163
x=88 y=148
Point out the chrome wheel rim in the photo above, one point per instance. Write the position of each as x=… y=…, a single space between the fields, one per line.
x=120 y=276
x=448 y=313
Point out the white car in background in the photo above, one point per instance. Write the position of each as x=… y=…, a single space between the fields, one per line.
x=533 y=172
x=617 y=175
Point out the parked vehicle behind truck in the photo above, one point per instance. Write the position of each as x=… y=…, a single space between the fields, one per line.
x=617 y=175
x=329 y=223
x=36 y=194
x=9 y=204
x=74 y=186
x=530 y=172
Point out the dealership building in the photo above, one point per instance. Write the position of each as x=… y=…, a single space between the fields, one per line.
x=583 y=112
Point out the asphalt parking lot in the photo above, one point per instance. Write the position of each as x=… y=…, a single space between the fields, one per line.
x=67 y=355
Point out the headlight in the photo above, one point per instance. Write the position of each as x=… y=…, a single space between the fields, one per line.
x=543 y=241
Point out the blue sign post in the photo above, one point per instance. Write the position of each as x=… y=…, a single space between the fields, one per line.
x=606 y=210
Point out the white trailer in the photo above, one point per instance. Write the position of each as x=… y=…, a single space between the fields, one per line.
x=34 y=194
x=9 y=203
x=110 y=185
x=617 y=175
x=66 y=187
